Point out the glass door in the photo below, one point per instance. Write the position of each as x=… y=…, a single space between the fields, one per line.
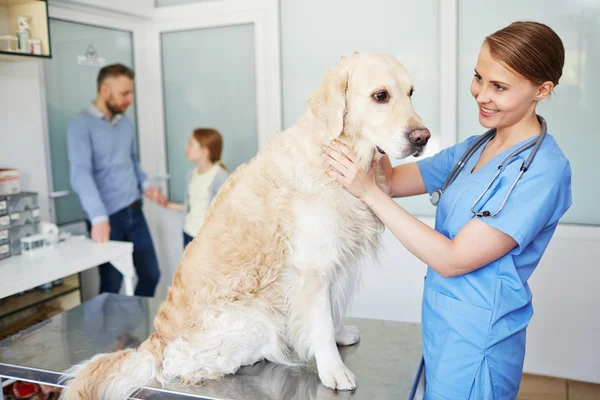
x=79 y=51
x=219 y=67
x=209 y=81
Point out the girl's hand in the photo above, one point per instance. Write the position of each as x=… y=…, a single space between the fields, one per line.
x=343 y=167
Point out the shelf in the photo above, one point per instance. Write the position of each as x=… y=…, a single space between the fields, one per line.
x=14 y=304
x=16 y=323
x=11 y=3
x=14 y=56
x=37 y=12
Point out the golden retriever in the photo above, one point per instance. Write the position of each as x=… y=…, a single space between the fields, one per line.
x=272 y=269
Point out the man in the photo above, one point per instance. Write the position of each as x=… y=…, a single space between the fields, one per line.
x=106 y=174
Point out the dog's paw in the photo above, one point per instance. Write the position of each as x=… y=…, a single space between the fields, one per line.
x=347 y=335
x=338 y=378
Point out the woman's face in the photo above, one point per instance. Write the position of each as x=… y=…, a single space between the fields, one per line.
x=503 y=96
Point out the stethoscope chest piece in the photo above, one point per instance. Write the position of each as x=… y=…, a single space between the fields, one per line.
x=435 y=197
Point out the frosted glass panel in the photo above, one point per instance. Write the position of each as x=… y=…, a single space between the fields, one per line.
x=572 y=112
x=209 y=81
x=71 y=87
x=311 y=43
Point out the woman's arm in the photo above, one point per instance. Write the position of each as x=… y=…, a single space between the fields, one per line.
x=477 y=244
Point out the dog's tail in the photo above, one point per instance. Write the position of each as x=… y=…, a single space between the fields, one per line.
x=112 y=376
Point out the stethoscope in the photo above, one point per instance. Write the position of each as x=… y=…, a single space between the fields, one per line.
x=437 y=194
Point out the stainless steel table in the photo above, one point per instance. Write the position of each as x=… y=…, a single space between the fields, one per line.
x=385 y=361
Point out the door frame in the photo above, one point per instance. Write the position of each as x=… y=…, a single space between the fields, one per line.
x=138 y=27
x=264 y=15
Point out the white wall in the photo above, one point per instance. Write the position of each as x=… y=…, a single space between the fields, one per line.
x=22 y=128
x=562 y=338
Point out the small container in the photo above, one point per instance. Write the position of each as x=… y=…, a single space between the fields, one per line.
x=35 y=46
x=9 y=181
x=33 y=242
x=23 y=34
x=18 y=232
x=9 y=43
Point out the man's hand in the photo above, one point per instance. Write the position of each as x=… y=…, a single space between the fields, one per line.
x=156 y=196
x=101 y=232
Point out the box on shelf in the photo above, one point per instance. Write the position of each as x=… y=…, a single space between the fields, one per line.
x=3 y=205
x=4 y=236
x=22 y=201
x=24 y=217
x=22 y=208
x=5 y=251
x=9 y=181
x=4 y=221
x=9 y=43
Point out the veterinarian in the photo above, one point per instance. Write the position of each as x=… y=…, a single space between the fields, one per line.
x=106 y=174
x=204 y=147
x=490 y=232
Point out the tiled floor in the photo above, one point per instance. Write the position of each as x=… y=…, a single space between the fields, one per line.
x=535 y=387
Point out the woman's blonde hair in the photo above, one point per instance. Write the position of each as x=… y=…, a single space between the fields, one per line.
x=213 y=141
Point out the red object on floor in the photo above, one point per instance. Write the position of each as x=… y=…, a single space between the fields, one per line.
x=24 y=390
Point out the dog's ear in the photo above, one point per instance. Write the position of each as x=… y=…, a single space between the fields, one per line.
x=328 y=101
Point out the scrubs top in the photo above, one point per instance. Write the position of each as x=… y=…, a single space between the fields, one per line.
x=474 y=325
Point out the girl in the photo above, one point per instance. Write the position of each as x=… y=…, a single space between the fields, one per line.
x=476 y=300
x=203 y=182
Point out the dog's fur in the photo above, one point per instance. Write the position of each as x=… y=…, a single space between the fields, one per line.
x=273 y=267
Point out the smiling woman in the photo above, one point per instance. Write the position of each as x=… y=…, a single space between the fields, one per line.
x=477 y=302
x=511 y=78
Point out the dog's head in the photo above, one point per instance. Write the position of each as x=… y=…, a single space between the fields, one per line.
x=368 y=98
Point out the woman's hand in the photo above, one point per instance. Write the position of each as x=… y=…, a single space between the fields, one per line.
x=344 y=168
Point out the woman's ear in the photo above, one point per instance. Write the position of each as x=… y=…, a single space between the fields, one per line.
x=544 y=90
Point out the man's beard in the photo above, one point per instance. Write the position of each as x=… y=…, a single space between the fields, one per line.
x=113 y=109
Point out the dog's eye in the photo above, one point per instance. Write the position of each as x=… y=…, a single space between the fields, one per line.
x=381 y=97
x=411 y=92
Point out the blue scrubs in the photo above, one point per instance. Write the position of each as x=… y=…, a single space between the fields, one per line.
x=474 y=325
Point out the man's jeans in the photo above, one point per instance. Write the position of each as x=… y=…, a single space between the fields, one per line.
x=129 y=225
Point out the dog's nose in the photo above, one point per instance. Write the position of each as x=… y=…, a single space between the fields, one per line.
x=419 y=136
